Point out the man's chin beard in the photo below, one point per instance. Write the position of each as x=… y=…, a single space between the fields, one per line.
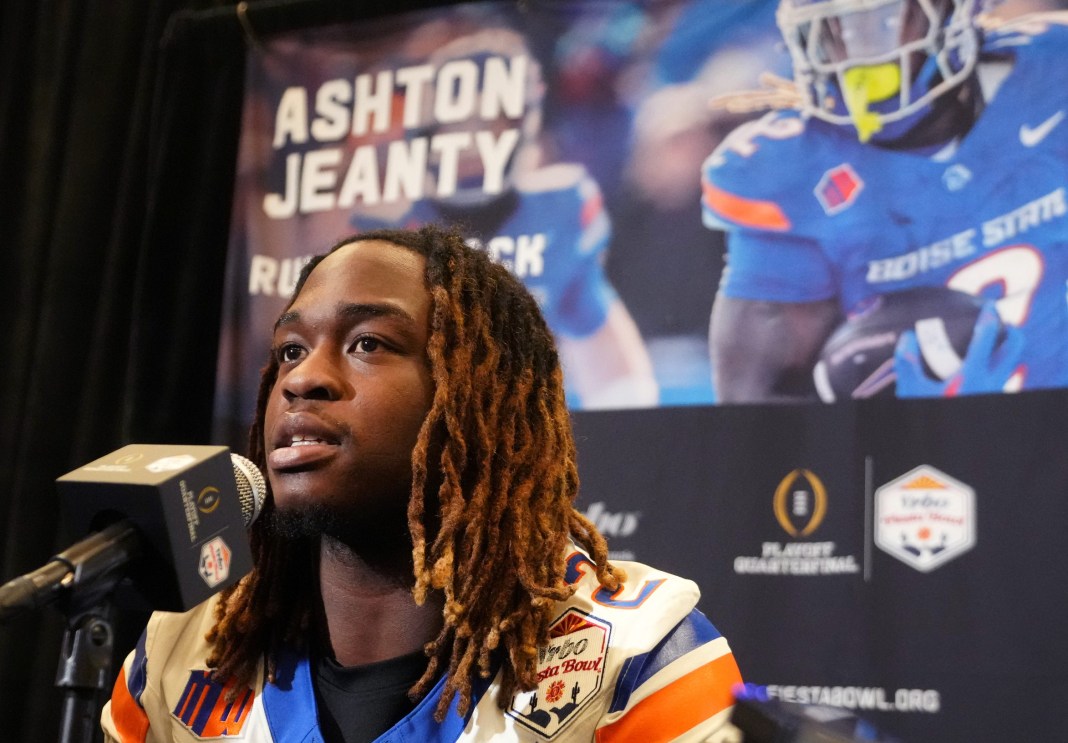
x=306 y=521
x=314 y=520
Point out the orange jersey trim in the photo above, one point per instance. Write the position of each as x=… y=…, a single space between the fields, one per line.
x=764 y=215
x=131 y=722
x=678 y=707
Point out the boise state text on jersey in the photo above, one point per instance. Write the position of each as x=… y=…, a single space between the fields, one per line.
x=847 y=220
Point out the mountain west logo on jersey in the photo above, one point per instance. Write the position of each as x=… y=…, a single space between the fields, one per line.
x=206 y=711
x=925 y=518
x=838 y=188
x=570 y=671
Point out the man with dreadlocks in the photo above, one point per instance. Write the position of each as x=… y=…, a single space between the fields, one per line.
x=420 y=570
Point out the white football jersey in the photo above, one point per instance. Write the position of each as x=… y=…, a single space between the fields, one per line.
x=640 y=664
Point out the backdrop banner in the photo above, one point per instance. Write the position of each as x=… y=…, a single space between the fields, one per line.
x=897 y=558
x=566 y=139
x=892 y=556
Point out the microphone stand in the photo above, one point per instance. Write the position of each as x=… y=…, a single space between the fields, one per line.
x=95 y=567
x=85 y=670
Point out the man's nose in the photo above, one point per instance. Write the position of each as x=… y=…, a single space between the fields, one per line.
x=319 y=376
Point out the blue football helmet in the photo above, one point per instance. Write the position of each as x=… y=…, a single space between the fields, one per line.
x=878 y=64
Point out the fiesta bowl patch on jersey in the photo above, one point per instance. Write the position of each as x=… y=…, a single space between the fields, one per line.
x=857 y=361
x=570 y=671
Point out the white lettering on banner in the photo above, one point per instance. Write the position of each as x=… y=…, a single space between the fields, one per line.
x=366 y=104
x=319 y=179
x=859 y=697
x=796 y=558
x=843 y=564
x=272 y=277
x=962 y=245
x=315 y=181
x=1030 y=215
x=523 y=255
x=924 y=259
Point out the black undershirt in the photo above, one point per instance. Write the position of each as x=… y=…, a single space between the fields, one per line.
x=358 y=704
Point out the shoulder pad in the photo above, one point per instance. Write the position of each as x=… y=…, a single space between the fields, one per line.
x=644 y=588
x=1033 y=28
x=754 y=178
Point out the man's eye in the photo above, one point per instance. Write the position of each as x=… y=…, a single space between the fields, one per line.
x=290 y=352
x=368 y=345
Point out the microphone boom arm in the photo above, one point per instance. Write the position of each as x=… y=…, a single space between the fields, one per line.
x=80 y=575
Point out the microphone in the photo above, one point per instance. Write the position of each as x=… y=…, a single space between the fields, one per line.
x=168 y=527
x=763 y=719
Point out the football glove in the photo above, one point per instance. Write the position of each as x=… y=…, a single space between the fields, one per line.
x=989 y=365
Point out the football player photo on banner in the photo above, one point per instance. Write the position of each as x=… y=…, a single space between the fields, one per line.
x=564 y=138
x=769 y=200
x=896 y=212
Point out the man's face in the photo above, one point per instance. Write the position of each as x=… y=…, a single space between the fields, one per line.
x=352 y=391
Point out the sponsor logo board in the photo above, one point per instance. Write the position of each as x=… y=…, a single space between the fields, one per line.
x=925 y=518
x=799 y=505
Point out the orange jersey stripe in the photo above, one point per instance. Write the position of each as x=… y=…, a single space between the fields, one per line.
x=678 y=707
x=130 y=720
x=591 y=208
x=764 y=215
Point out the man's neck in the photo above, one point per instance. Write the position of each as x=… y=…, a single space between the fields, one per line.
x=369 y=614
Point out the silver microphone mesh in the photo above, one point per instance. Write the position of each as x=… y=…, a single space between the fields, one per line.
x=251 y=487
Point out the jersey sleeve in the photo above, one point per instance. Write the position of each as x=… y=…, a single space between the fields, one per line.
x=776 y=268
x=124 y=719
x=680 y=690
x=584 y=304
x=584 y=231
x=154 y=675
x=768 y=210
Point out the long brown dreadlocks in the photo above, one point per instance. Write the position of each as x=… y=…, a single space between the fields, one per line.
x=495 y=454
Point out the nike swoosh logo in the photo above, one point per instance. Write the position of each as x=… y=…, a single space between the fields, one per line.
x=1030 y=136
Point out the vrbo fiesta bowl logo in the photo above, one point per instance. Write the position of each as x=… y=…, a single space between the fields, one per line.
x=570 y=671
x=925 y=518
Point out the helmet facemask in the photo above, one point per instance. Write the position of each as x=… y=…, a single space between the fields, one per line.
x=878 y=65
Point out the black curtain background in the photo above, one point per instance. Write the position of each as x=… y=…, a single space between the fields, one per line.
x=118 y=137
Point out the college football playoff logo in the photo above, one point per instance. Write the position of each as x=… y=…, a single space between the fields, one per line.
x=800 y=509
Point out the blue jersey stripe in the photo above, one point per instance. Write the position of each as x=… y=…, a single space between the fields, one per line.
x=291 y=711
x=137 y=679
x=419 y=724
x=289 y=703
x=692 y=632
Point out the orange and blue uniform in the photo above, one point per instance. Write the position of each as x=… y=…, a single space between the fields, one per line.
x=642 y=663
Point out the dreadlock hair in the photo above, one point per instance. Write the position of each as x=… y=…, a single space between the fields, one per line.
x=495 y=454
